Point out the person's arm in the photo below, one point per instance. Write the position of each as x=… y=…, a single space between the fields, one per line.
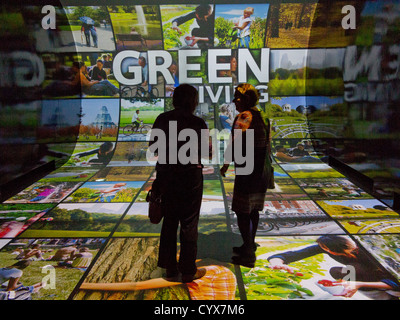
x=284 y=157
x=244 y=25
x=12 y=284
x=86 y=83
x=182 y=19
x=130 y=286
x=224 y=169
x=292 y=256
x=87 y=153
x=351 y=287
x=197 y=39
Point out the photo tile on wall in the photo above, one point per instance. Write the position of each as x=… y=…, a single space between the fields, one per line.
x=291 y=268
x=105 y=192
x=59 y=120
x=292 y=217
x=287 y=76
x=355 y=209
x=45 y=192
x=136 y=222
x=335 y=188
x=310 y=170
x=72 y=174
x=130 y=154
x=370 y=226
x=91 y=154
x=123 y=174
x=240 y=25
x=384 y=248
x=141 y=111
x=78 y=220
x=134 y=261
x=179 y=27
x=127 y=260
x=99 y=119
x=91 y=29
x=136 y=27
x=16 y=218
x=67 y=258
x=285 y=189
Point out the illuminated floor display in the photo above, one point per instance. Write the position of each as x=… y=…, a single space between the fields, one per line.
x=84 y=226
x=107 y=216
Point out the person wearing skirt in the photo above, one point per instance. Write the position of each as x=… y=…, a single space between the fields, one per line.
x=249 y=189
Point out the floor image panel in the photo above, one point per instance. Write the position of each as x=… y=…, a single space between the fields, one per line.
x=96 y=242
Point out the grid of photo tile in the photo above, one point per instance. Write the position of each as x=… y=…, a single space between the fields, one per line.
x=86 y=222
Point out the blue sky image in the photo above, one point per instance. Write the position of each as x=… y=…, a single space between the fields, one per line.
x=372 y=8
x=108 y=184
x=235 y=11
x=317 y=101
x=365 y=203
x=91 y=107
x=66 y=110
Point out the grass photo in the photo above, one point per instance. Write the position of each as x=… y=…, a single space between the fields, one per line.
x=321 y=189
x=362 y=209
x=106 y=191
x=300 y=72
x=311 y=170
x=149 y=110
x=78 y=220
x=372 y=226
x=136 y=27
x=123 y=174
x=72 y=174
x=130 y=154
x=65 y=278
x=266 y=283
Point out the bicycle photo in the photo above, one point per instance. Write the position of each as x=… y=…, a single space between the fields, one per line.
x=137 y=118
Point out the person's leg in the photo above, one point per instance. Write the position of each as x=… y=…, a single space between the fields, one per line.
x=94 y=36
x=112 y=89
x=244 y=224
x=189 y=217
x=247 y=41
x=87 y=36
x=167 y=250
x=254 y=218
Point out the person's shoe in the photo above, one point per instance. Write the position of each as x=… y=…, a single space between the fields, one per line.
x=245 y=261
x=186 y=278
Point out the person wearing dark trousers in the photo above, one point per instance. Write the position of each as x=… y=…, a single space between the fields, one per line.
x=181 y=184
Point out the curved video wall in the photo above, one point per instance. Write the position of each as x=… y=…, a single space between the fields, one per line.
x=75 y=75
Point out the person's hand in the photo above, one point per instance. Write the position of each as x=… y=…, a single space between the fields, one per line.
x=176 y=28
x=282 y=267
x=195 y=40
x=223 y=170
x=350 y=288
x=277 y=264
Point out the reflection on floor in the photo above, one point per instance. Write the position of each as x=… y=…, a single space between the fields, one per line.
x=83 y=226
